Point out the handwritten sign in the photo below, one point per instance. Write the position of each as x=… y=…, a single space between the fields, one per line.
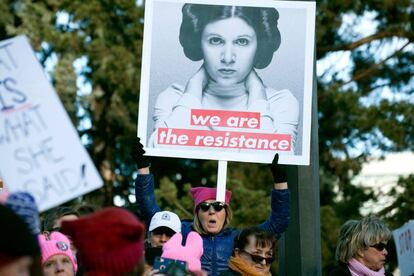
x=40 y=150
x=404 y=242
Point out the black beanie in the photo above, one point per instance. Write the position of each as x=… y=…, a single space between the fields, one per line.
x=16 y=240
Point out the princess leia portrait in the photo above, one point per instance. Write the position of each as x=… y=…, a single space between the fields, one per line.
x=231 y=42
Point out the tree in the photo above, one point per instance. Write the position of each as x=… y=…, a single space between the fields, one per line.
x=365 y=106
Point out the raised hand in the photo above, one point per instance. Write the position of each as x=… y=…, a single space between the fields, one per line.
x=278 y=171
x=138 y=155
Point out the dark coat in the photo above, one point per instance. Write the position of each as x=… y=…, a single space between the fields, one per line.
x=217 y=248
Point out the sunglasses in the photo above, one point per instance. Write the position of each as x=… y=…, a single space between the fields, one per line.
x=379 y=246
x=259 y=259
x=218 y=206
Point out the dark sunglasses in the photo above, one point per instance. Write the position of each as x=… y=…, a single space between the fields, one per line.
x=218 y=206
x=379 y=246
x=259 y=259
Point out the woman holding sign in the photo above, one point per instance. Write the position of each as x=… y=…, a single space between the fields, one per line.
x=232 y=42
x=211 y=217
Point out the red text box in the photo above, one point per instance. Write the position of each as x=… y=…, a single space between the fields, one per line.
x=224 y=139
x=223 y=118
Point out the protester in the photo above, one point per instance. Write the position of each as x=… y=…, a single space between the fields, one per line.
x=361 y=248
x=211 y=218
x=110 y=242
x=162 y=227
x=57 y=257
x=253 y=253
x=55 y=217
x=19 y=250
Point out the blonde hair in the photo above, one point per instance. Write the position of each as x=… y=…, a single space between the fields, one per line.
x=199 y=228
x=357 y=235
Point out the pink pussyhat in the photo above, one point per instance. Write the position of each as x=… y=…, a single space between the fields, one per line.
x=56 y=244
x=201 y=194
x=191 y=252
x=4 y=192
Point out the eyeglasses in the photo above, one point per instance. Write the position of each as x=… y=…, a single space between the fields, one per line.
x=218 y=206
x=259 y=259
x=379 y=246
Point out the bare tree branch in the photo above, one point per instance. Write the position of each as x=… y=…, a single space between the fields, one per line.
x=377 y=66
x=351 y=46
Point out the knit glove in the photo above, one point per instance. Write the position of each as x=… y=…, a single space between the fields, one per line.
x=138 y=155
x=190 y=253
x=278 y=171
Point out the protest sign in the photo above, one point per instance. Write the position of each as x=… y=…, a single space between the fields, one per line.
x=404 y=243
x=227 y=82
x=40 y=150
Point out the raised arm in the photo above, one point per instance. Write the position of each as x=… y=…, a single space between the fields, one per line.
x=278 y=220
x=144 y=185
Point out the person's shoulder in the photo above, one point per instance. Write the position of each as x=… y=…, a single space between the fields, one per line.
x=169 y=96
x=285 y=95
x=173 y=90
x=186 y=226
x=228 y=231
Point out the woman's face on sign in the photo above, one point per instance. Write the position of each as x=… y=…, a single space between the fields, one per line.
x=229 y=48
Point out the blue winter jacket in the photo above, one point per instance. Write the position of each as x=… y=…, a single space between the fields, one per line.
x=217 y=248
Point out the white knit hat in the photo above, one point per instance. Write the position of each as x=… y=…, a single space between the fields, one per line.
x=165 y=219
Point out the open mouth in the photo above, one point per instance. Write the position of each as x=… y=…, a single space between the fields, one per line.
x=212 y=223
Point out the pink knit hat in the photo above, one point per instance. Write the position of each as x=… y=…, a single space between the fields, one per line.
x=4 y=192
x=201 y=194
x=56 y=244
x=190 y=253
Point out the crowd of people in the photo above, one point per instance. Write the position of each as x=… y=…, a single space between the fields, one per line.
x=113 y=241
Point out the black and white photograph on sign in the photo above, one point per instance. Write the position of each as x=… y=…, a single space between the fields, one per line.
x=227 y=82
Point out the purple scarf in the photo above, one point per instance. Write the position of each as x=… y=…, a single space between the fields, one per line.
x=358 y=269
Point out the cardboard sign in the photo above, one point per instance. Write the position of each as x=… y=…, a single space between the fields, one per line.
x=404 y=243
x=227 y=81
x=40 y=151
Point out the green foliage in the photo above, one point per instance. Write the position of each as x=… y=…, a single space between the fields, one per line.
x=329 y=234
x=402 y=208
